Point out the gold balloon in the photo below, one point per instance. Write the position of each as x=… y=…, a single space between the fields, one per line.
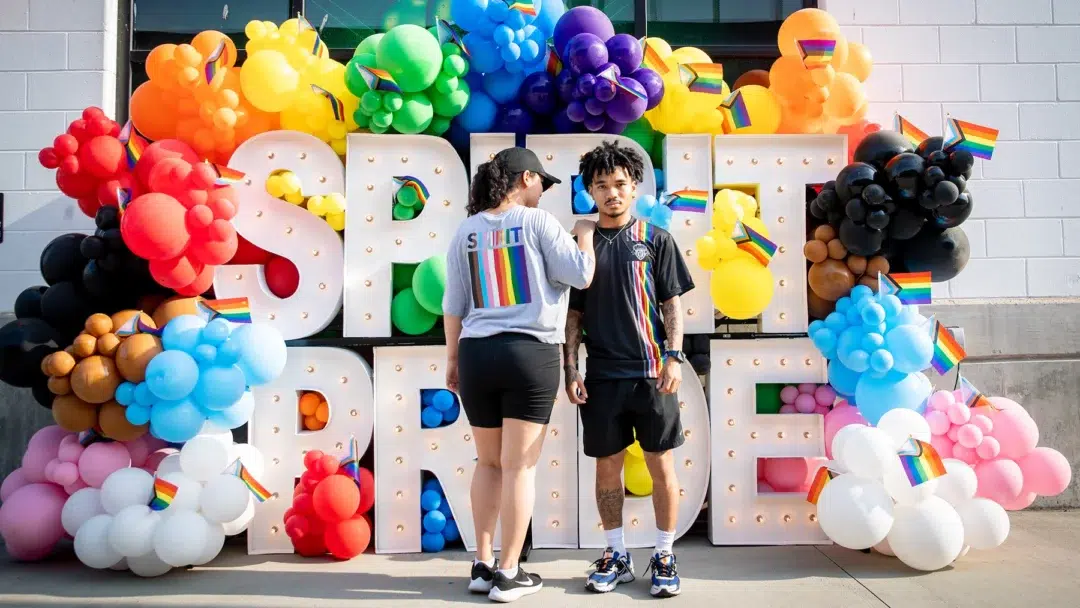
x=846 y=98
x=859 y=61
x=59 y=385
x=73 y=414
x=174 y=307
x=59 y=364
x=94 y=379
x=98 y=325
x=763 y=109
x=135 y=354
x=690 y=54
x=112 y=418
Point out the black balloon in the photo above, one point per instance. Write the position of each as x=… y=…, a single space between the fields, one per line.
x=945 y=193
x=829 y=199
x=929 y=145
x=880 y=147
x=97 y=281
x=959 y=181
x=65 y=307
x=835 y=217
x=93 y=248
x=943 y=253
x=961 y=161
x=938 y=159
x=107 y=217
x=113 y=240
x=23 y=344
x=817 y=211
x=856 y=210
x=28 y=303
x=927 y=200
x=932 y=176
x=874 y=194
x=852 y=179
x=61 y=259
x=42 y=394
x=950 y=216
x=889 y=205
x=877 y=219
x=905 y=224
x=860 y=240
x=904 y=172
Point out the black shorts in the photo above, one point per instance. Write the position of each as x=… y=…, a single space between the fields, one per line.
x=616 y=409
x=507 y=375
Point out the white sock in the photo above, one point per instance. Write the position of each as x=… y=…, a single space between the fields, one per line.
x=664 y=541
x=490 y=563
x=615 y=540
x=509 y=573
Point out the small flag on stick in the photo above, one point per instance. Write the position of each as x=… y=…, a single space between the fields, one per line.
x=736 y=116
x=821 y=479
x=921 y=462
x=351 y=463
x=693 y=201
x=164 y=493
x=260 y=492
x=972 y=396
x=378 y=80
x=217 y=61
x=913 y=134
x=980 y=141
x=703 y=77
x=816 y=53
x=947 y=351
x=233 y=310
x=908 y=287
x=754 y=243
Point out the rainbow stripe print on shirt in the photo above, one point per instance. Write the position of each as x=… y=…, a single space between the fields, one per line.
x=646 y=313
x=498 y=268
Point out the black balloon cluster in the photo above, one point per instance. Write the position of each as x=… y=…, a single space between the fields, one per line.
x=906 y=204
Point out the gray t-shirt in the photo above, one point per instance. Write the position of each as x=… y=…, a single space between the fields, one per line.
x=512 y=272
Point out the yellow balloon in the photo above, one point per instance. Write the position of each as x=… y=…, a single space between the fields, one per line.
x=726 y=211
x=690 y=54
x=268 y=81
x=741 y=288
x=634 y=451
x=706 y=247
x=316 y=206
x=763 y=109
x=637 y=478
x=661 y=46
x=336 y=220
x=274 y=186
x=334 y=203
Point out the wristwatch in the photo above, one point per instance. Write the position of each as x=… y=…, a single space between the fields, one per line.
x=676 y=355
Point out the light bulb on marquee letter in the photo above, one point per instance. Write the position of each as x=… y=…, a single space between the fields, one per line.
x=344 y=380
x=289 y=231
x=374 y=242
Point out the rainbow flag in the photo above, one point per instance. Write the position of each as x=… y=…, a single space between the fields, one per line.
x=217 y=62
x=909 y=287
x=412 y=183
x=225 y=175
x=693 y=201
x=447 y=33
x=351 y=463
x=913 y=134
x=260 y=492
x=921 y=462
x=123 y=197
x=977 y=139
x=335 y=104
x=233 y=310
x=164 y=493
x=554 y=64
x=816 y=53
x=972 y=396
x=736 y=116
x=610 y=75
x=304 y=25
x=754 y=243
x=651 y=59
x=947 y=351
x=525 y=6
x=703 y=77
x=821 y=479
x=134 y=143
x=146 y=329
x=130 y=327
x=378 y=80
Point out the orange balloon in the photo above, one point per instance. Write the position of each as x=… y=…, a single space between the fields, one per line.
x=107 y=345
x=759 y=77
x=84 y=345
x=98 y=325
x=840 y=53
x=73 y=414
x=135 y=354
x=805 y=24
x=859 y=62
x=309 y=402
x=846 y=96
x=58 y=364
x=188 y=56
x=112 y=418
x=158 y=61
x=206 y=43
x=59 y=386
x=95 y=379
x=147 y=115
x=789 y=77
x=322 y=412
x=823 y=77
x=174 y=307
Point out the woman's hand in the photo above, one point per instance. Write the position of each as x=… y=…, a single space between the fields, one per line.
x=451 y=375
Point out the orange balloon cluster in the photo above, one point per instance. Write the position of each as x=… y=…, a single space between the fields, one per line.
x=315 y=411
x=196 y=99
x=824 y=97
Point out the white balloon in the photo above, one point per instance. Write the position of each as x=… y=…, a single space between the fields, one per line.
x=126 y=487
x=224 y=498
x=203 y=457
x=187 y=493
x=119 y=566
x=79 y=508
x=928 y=535
x=866 y=452
x=180 y=539
x=884 y=548
x=840 y=439
x=215 y=540
x=959 y=483
x=92 y=543
x=967 y=549
x=900 y=488
x=241 y=523
x=148 y=566
x=132 y=531
x=855 y=512
x=986 y=524
x=251 y=457
x=902 y=424
x=169 y=464
x=223 y=436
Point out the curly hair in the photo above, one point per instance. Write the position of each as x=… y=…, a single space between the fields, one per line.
x=606 y=158
x=491 y=185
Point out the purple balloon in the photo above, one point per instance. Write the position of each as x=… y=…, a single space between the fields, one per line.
x=625 y=51
x=579 y=20
x=595 y=123
x=613 y=127
x=585 y=85
x=604 y=90
x=538 y=93
x=513 y=118
x=585 y=53
x=576 y=111
x=566 y=82
x=561 y=123
x=595 y=107
x=653 y=83
x=627 y=107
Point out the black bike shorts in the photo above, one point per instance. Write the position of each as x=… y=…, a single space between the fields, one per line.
x=507 y=375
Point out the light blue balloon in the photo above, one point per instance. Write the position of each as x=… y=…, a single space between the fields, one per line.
x=579 y=183
x=125 y=394
x=661 y=216
x=873 y=313
x=468 y=14
x=530 y=51
x=895 y=390
x=236 y=415
x=583 y=203
x=218 y=388
x=824 y=340
x=206 y=354
x=910 y=316
x=645 y=205
x=483 y=54
x=175 y=421
x=430 y=417
x=881 y=362
x=502 y=86
x=479 y=113
x=516 y=19
x=451 y=532
x=262 y=352
x=836 y=322
x=216 y=332
x=434 y=521
x=853 y=315
x=143 y=396
x=842 y=379
x=431 y=499
x=848 y=348
x=182 y=333
x=443 y=400
x=660 y=183
x=172 y=374
x=858 y=360
x=815 y=326
x=503 y=35
x=891 y=304
x=227 y=354
x=911 y=347
x=548 y=16
x=431 y=542
x=872 y=341
x=843 y=305
x=861 y=291
x=450 y=416
x=137 y=414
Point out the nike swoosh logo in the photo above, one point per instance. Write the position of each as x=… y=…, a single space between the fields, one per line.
x=530 y=583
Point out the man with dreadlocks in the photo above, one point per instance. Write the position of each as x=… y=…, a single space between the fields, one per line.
x=633 y=330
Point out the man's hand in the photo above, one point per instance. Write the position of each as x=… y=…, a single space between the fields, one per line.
x=670 y=377
x=582 y=227
x=575 y=387
x=451 y=375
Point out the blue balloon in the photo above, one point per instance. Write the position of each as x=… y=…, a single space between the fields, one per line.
x=450 y=416
x=483 y=55
x=143 y=396
x=444 y=508
x=218 y=388
x=431 y=499
x=583 y=203
x=645 y=205
x=881 y=362
x=853 y=315
x=849 y=343
x=911 y=347
x=824 y=339
x=432 y=485
x=206 y=354
x=530 y=51
x=430 y=418
x=182 y=333
x=502 y=86
x=434 y=521
x=510 y=54
x=468 y=14
x=236 y=415
x=843 y=305
x=262 y=352
x=842 y=379
x=661 y=216
x=909 y=315
x=227 y=354
x=479 y=113
x=836 y=322
x=548 y=16
x=891 y=304
x=172 y=374
x=432 y=543
x=503 y=35
x=137 y=414
x=660 y=182
x=873 y=313
x=579 y=183
x=872 y=341
x=175 y=421
x=443 y=400
x=451 y=532
x=894 y=390
x=861 y=291
x=426 y=396
x=815 y=326
x=216 y=332
x=497 y=11
x=125 y=394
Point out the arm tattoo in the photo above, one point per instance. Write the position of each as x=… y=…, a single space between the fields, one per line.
x=573 y=342
x=673 y=323
x=610 y=504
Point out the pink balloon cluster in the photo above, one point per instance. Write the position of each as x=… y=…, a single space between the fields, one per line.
x=787 y=474
x=54 y=466
x=807 y=399
x=999 y=442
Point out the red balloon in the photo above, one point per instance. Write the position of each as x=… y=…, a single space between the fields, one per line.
x=349 y=538
x=72 y=182
x=159 y=150
x=336 y=498
x=170 y=176
x=222 y=201
x=176 y=274
x=89 y=206
x=310 y=545
x=65 y=144
x=282 y=277
x=297 y=526
x=310 y=480
x=104 y=157
x=202 y=283
x=327 y=465
x=246 y=253
x=303 y=504
x=153 y=228
x=311 y=457
x=108 y=191
x=197 y=219
x=367 y=491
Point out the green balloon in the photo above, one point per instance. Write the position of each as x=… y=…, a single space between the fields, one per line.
x=407 y=197
x=362 y=120
x=452 y=104
x=429 y=283
x=369 y=45
x=438 y=126
x=354 y=80
x=408 y=316
x=455 y=65
x=450 y=49
x=392 y=101
x=445 y=83
x=403 y=213
x=411 y=55
x=382 y=119
x=415 y=115
x=658 y=150
x=402 y=275
x=642 y=132
x=768 y=398
x=371 y=102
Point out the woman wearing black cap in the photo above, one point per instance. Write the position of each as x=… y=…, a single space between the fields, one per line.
x=509 y=270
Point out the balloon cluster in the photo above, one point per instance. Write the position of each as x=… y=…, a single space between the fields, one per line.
x=682 y=110
x=999 y=441
x=204 y=373
x=286 y=186
x=807 y=399
x=85 y=375
x=902 y=202
x=418 y=293
x=440 y=408
x=741 y=286
x=436 y=518
x=314 y=410
x=133 y=522
x=875 y=499
x=194 y=95
x=877 y=348
x=24 y=344
x=90 y=161
x=834 y=271
x=583 y=202
x=329 y=512
x=786 y=474
x=819 y=76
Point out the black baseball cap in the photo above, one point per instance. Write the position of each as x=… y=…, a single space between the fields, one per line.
x=520 y=160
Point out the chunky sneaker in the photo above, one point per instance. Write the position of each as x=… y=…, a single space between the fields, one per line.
x=482 y=577
x=610 y=570
x=665 y=575
x=507 y=589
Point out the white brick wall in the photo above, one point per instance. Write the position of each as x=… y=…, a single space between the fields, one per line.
x=1010 y=64
x=56 y=58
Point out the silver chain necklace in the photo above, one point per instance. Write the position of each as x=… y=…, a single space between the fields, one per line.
x=611 y=240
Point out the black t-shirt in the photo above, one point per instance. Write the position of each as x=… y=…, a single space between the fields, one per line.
x=636 y=271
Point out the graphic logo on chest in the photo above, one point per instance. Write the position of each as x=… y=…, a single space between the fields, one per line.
x=640 y=251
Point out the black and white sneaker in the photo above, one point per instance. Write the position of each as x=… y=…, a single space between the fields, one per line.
x=482 y=577
x=509 y=589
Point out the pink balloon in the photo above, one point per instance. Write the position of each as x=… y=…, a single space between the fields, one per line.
x=983 y=422
x=791 y=474
x=805 y=403
x=1020 y=502
x=155 y=459
x=807 y=388
x=821 y=409
x=842 y=403
x=70 y=449
x=959 y=413
x=969 y=436
x=41 y=449
x=1004 y=403
x=837 y=419
x=825 y=395
x=30 y=520
x=1000 y=480
x=139 y=450
x=788 y=394
x=941 y=400
x=963 y=454
x=75 y=487
x=942 y=445
x=1016 y=432
x=788 y=408
x=1046 y=472
x=953 y=433
x=938 y=421
x=989 y=449
x=763 y=487
x=761 y=468
x=65 y=474
x=101 y=460
x=15 y=480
